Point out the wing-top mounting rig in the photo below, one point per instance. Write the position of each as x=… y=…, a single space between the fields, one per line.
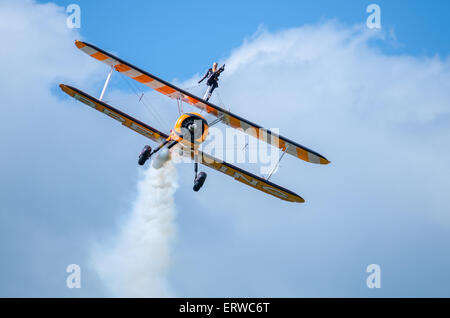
x=191 y=128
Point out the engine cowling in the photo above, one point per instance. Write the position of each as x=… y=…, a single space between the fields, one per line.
x=191 y=127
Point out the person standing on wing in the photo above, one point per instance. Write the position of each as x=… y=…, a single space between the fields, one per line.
x=213 y=77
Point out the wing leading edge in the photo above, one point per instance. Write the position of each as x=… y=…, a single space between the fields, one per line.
x=227 y=118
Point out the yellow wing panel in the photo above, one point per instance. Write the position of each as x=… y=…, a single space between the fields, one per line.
x=244 y=176
x=121 y=117
x=227 y=118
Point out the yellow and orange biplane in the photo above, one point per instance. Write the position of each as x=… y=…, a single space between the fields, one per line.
x=191 y=129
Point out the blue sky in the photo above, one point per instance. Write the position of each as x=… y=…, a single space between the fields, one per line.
x=179 y=38
x=376 y=103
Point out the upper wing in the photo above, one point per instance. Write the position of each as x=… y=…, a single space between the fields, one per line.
x=227 y=118
x=245 y=177
x=123 y=118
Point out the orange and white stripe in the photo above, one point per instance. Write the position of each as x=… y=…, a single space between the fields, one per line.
x=228 y=118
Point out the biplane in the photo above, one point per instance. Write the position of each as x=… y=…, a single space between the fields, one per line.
x=190 y=129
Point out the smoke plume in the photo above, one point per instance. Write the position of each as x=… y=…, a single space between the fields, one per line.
x=136 y=264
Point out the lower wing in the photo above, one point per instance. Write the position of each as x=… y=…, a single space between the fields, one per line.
x=246 y=177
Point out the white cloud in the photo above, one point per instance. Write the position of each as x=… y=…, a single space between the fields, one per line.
x=38 y=46
x=382 y=120
x=39 y=149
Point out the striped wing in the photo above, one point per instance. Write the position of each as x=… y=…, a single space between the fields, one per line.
x=227 y=118
x=116 y=114
x=245 y=177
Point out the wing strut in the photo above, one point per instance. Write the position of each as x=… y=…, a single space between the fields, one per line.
x=106 y=83
x=180 y=106
x=278 y=163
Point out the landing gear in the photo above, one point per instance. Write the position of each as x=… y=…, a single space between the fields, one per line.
x=200 y=178
x=145 y=155
x=147 y=152
x=199 y=181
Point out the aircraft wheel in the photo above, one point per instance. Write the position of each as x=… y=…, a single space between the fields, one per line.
x=145 y=154
x=199 y=181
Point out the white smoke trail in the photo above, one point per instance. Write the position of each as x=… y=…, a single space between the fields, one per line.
x=136 y=264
